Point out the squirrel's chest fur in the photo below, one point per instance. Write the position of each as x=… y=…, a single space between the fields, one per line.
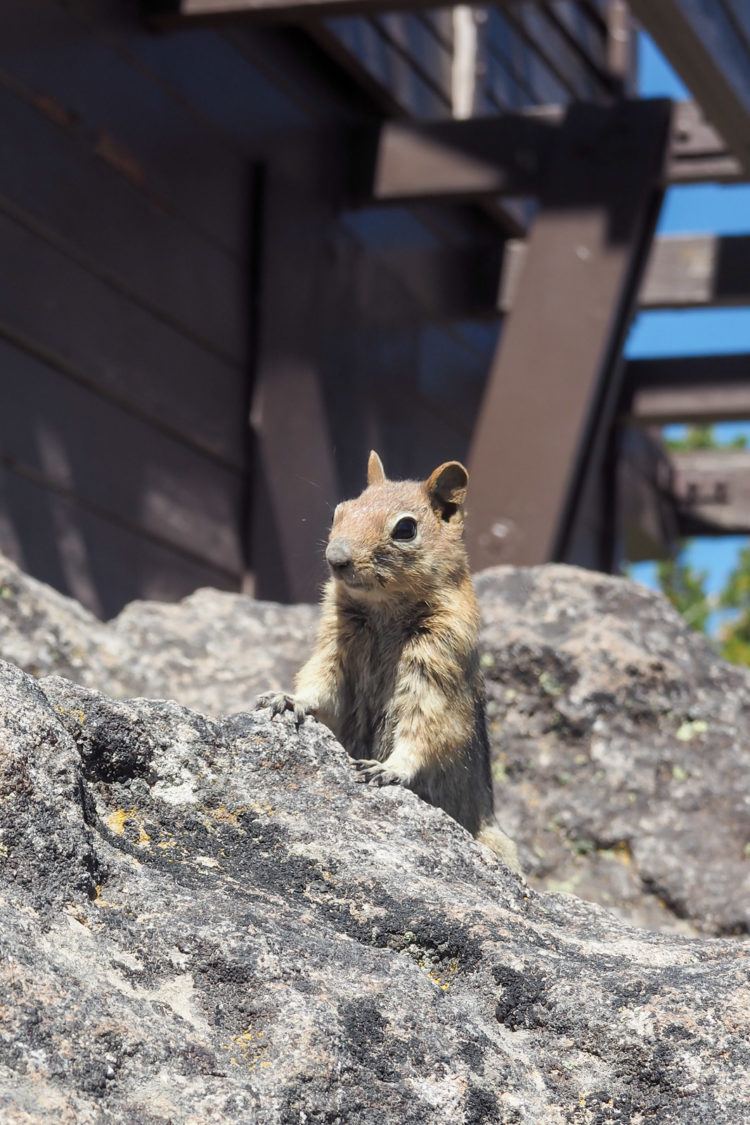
x=372 y=671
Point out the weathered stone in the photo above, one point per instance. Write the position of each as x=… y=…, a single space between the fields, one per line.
x=622 y=744
x=209 y=920
x=622 y=747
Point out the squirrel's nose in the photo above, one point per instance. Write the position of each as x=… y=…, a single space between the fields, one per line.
x=339 y=553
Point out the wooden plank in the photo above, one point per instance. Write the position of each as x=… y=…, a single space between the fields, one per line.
x=739 y=13
x=585 y=30
x=363 y=49
x=686 y=271
x=411 y=38
x=49 y=174
x=60 y=62
x=83 y=326
x=711 y=489
x=263 y=68
x=697 y=152
x=86 y=447
x=511 y=54
x=540 y=420
x=683 y=271
x=693 y=389
x=702 y=44
x=100 y=563
x=546 y=39
x=276 y=11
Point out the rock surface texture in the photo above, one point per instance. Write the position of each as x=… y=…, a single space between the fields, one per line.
x=621 y=743
x=209 y=920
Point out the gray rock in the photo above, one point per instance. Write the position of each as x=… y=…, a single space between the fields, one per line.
x=622 y=752
x=622 y=747
x=213 y=651
x=209 y=920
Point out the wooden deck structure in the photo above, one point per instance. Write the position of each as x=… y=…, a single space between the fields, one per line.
x=245 y=241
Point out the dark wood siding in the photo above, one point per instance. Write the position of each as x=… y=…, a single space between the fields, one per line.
x=125 y=220
x=128 y=221
x=526 y=55
x=159 y=311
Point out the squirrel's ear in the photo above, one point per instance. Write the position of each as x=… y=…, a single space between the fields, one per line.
x=375 y=470
x=446 y=488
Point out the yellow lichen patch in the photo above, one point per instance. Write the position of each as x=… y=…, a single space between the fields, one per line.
x=76 y=712
x=166 y=844
x=262 y=807
x=691 y=729
x=228 y=816
x=116 y=821
x=120 y=818
x=619 y=851
x=441 y=975
x=251 y=1045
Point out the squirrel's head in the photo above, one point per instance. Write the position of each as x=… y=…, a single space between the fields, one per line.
x=400 y=537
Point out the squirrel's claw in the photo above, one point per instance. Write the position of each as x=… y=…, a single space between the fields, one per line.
x=280 y=702
x=375 y=773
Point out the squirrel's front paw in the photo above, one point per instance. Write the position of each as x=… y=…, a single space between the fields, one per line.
x=281 y=702
x=376 y=773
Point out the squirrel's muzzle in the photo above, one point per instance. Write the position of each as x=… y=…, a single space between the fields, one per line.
x=339 y=554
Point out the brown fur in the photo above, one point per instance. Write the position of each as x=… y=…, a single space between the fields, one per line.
x=395 y=672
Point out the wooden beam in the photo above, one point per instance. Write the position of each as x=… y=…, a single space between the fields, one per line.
x=694 y=389
x=276 y=11
x=508 y=154
x=480 y=281
x=404 y=161
x=711 y=489
x=551 y=390
x=686 y=271
x=697 y=152
x=683 y=271
x=704 y=47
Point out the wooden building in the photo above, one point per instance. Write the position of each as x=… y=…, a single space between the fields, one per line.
x=245 y=242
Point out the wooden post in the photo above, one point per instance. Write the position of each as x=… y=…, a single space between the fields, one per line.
x=551 y=389
x=293 y=485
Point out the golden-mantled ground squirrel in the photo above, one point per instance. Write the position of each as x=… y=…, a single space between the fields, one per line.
x=395 y=673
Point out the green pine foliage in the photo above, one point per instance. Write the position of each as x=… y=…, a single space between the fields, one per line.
x=735 y=637
x=685 y=587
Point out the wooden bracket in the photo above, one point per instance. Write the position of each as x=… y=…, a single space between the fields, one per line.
x=552 y=390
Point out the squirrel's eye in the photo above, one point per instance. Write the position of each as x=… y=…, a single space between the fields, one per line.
x=406 y=528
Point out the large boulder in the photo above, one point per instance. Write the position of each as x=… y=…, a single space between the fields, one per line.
x=621 y=742
x=621 y=747
x=209 y=920
x=213 y=651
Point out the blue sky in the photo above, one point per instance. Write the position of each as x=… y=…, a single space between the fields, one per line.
x=721 y=209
